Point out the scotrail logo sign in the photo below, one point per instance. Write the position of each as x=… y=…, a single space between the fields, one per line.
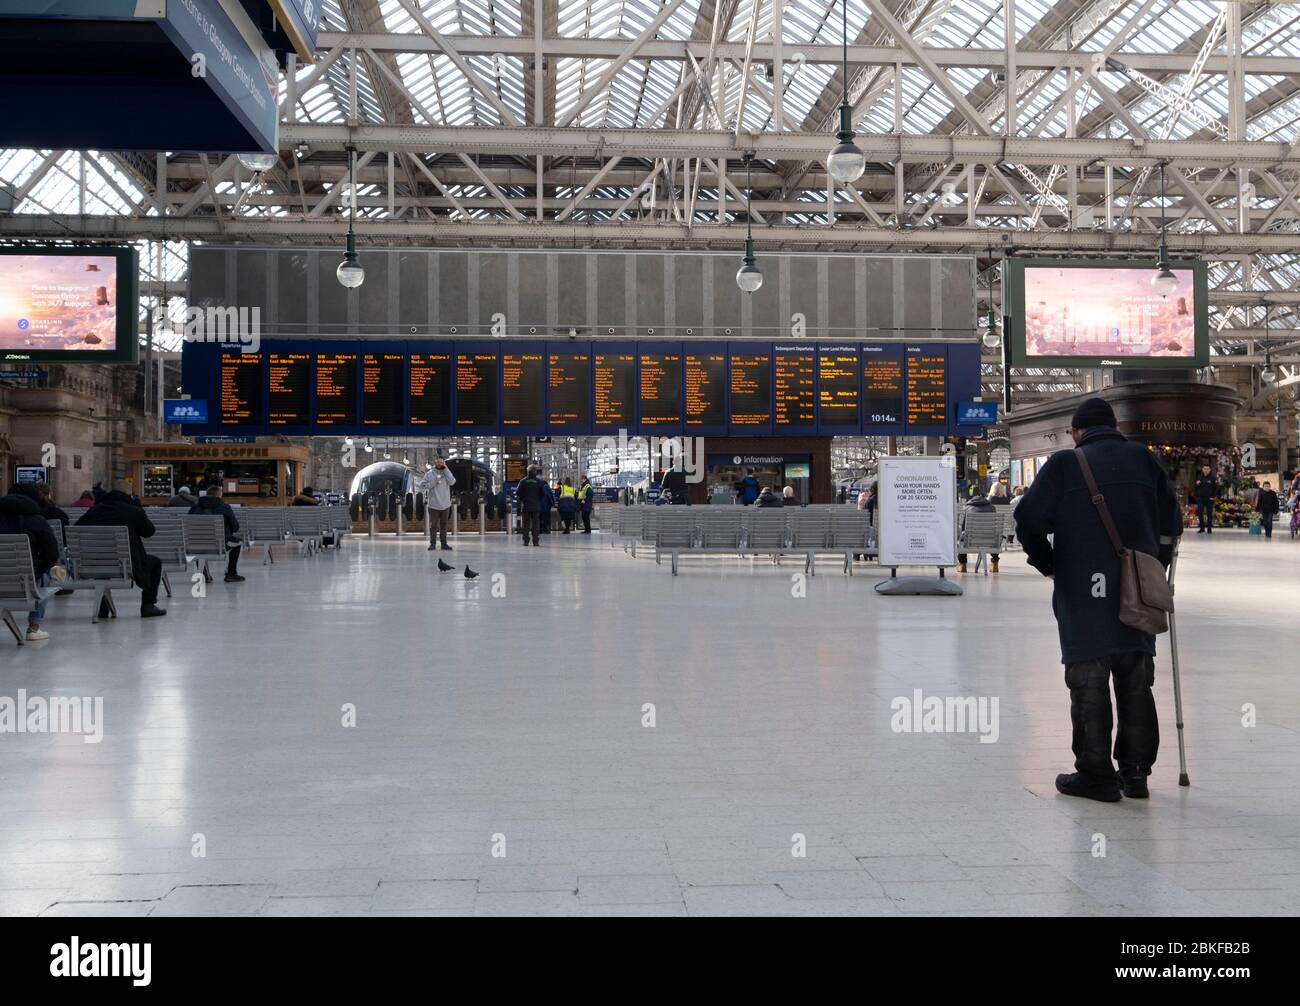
x=185 y=410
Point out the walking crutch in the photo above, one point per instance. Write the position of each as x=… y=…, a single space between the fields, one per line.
x=1183 y=780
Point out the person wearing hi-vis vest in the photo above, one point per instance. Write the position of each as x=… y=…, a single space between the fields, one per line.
x=437 y=501
x=585 y=494
x=568 y=504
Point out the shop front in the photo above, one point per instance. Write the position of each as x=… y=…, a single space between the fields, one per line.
x=1186 y=424
x=802 y=463
x=256 y=474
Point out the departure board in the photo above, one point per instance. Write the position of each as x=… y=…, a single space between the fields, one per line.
x=795 y=377
x=568 y=392
x=383 y=389
x=476 y=388
x=614 y=388
x=927 y=388
x=241 y=389
x=430 y=383
x=705 y=392
x=336 y=389
x=751 y=388
x=882 y=388
x=522 y=389
x=288 y=389
x=660 y=390
x=837 y=389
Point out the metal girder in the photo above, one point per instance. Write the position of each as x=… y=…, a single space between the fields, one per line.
x=649 y=143
x=764 y=53
x=651 y=233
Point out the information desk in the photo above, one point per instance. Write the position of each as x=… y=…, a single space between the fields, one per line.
x=535 y=387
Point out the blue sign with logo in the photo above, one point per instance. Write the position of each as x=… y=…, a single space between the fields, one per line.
x=977 y=413
x=181 y=411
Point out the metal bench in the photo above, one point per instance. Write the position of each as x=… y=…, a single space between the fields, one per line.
x=306 y=528
x=853 y=534
x=99 y=560
x=168 y=544
x=19 y=590
x=674 y=533
x=983 y=534
x=264 y=526
x=204 y=537
x=809 y=533
x=764 y=533
x=339 y=521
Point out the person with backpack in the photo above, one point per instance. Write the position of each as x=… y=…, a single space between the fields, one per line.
x=1085 y=567
x=118 y=508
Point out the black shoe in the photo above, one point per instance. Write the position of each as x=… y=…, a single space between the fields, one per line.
x=1134 y=785
x=151 y=611
x=1201 y=531
x=432 y=547
x=234 y=578
x=1076 y=785
x=446 y=548
x=104 y=610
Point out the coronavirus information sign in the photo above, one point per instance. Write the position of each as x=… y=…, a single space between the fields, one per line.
x=918 y=509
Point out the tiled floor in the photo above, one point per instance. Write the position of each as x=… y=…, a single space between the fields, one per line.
x=514 y=725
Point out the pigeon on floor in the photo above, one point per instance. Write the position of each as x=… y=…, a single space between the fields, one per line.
x=470 y=574
x=444 y=568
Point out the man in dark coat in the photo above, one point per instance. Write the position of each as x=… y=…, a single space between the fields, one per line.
x=1268 y=506
x=118 y=508
x=20 y=513
x=1206 y=492
x=532 y=495
x=1095 y=644
x=212 y=505
x=183 y=498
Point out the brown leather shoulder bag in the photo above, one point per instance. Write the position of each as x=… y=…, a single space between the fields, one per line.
x=1145 y=599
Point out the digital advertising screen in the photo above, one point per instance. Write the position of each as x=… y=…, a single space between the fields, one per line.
x=68 y=305
x=882 y=389
x=926 y=388
x=240 y=389
x=568 y=391
x=476 y=387
x=660 y=388
x=613 y=387
x=523 y=389
x=430 y=384
x=750 y=387
x=704 y=373
x=794 y=370
x=383 y=389
x=838 y=401
x=288 y=389
x=336 y=389
x=1105 y=313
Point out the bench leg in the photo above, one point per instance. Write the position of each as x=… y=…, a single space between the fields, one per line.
x=674 y=564
x=167 y=584
x=11 y=624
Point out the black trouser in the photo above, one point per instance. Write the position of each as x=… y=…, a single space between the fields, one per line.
x=546 y=521
x=1205 y=514
x=586 y=520
x=567 y=517
x=1267 y=520
x=232 y=560
x=1138 y=738
x=532 y=525
x=148 y=579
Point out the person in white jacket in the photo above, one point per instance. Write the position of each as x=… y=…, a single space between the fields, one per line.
x=438 y=481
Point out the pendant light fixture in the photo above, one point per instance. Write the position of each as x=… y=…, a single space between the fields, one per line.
x=1164 y=282
x=350 y=273
x=992 y=337
x=846 y=162
x=749 y=277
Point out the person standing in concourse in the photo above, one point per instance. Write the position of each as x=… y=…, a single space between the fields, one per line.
x=1080 y=559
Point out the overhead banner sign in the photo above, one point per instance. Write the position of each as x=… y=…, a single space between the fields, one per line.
x=917 y=503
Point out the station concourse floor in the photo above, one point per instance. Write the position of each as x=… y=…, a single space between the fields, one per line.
x=515 y=725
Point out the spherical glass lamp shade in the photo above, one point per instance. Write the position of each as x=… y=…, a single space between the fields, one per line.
x=350 y=272
x=1164 y=282
x=992 y=338
x=1268 y=375
x=749 y=277
x=846 y=162
x=259 y=162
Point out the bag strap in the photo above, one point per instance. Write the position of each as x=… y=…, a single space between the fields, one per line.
x=1099 y=501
